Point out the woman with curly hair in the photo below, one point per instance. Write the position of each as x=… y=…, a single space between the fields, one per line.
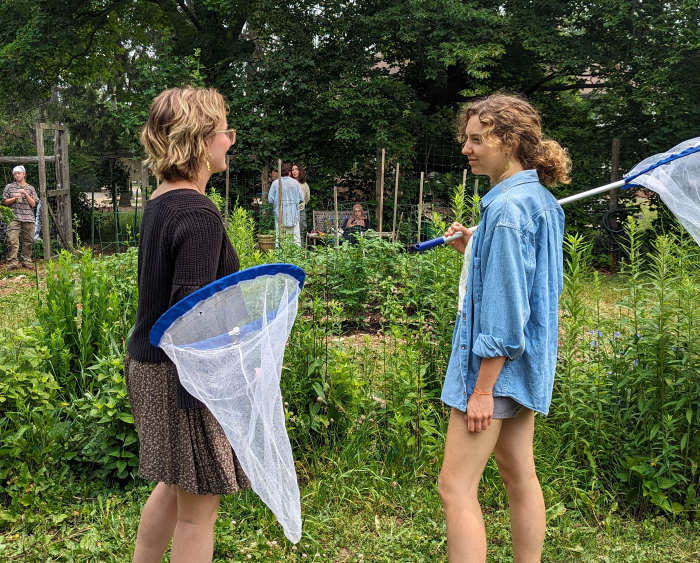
x=504 y=351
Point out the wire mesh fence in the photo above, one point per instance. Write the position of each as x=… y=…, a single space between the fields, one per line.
x=439 y=161
x=109 y=222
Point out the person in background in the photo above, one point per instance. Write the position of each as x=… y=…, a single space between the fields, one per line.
x=358 y=223
x=22 y=199
x=183 y=246
x=292 y=196
x=358 y=218
x=299 y=174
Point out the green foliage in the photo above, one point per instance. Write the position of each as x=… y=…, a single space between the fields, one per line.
x=85 y=316
x=108 y=422
x=326 y=83
x=89 y=307
x=112 y=174
x=363 y=372
x=31 y=429
x=241 y=231
x=218 y=200
x=6 y=214
x=627 y=399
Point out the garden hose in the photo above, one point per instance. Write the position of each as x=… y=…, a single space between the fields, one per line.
x=613 y=225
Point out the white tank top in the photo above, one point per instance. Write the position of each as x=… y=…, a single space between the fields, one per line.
x=464 y=276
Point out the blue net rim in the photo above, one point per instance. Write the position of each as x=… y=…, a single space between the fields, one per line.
x=188 y=303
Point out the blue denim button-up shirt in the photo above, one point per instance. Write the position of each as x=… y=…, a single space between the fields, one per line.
x=512 y=300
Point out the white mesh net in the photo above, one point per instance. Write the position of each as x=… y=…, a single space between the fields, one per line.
x=228 y=349
x=677 y=183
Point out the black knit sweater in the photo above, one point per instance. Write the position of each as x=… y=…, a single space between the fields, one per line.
x=183 y=247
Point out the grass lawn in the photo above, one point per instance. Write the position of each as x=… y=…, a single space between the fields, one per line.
x=351 y=513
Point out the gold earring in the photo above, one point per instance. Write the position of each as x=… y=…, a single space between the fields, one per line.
x=507 y=165
x=208 y=165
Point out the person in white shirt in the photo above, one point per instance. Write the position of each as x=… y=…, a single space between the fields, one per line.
x=292 y=196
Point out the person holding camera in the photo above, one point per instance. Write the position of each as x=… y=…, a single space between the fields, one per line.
x=22 y=199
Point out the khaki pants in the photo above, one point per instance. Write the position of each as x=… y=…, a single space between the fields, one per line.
x=13 y=238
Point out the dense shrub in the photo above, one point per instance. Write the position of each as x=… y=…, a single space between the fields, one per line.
x=627 y=399
x=89 y=307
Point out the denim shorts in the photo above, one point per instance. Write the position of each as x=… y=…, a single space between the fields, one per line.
x=505 y=407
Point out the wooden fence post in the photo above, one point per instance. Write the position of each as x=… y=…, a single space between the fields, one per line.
x=228 y=177
x=396 y=203
x=614 y=177
x=381 y=194
x=280 y=208
x=420 y=202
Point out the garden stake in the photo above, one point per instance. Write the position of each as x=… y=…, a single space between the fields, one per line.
x=92 y=216
x=335 y=208
x=136 y=209
x=280 y=210
x=396 y=202
x=228 y=180
x=326 y=291
x=420 y=203
x=381 y=195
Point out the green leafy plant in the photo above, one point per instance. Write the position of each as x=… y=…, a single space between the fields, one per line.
x=106 y=418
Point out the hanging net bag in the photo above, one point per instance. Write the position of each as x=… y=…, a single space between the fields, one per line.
x=227 y=342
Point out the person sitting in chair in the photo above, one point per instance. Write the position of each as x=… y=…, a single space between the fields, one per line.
x=358 y=223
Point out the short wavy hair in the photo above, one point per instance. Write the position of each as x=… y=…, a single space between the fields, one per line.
x=509 y=118
x=179 y=123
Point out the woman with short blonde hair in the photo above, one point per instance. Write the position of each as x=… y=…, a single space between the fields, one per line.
x=183 y=246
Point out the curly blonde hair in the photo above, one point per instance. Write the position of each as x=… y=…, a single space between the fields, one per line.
x=180 y=122
x=508 y=119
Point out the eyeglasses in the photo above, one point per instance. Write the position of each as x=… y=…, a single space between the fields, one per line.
x=230 y=133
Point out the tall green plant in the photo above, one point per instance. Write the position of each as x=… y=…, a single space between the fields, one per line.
x=80 y=325
x=571 y=397
x=241 y=231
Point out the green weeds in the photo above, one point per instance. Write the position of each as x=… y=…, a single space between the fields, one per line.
x=362 y=377
x=626 y=399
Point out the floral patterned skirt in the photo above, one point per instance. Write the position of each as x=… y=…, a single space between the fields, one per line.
x=183 y=447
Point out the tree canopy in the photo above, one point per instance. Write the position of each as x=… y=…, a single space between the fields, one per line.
x=327 y=81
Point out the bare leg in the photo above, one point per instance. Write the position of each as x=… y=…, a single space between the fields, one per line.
x=466 y=454
x=516 y=465
x=193 y=541
x=157 y=524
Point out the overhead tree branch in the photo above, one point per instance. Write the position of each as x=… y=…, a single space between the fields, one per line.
x=190 y=15
x=540 y=82
x=576 y=86
x=99 y=13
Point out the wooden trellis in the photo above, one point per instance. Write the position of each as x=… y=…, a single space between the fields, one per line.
x=55 y=202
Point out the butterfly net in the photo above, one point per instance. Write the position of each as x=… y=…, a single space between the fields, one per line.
x=227 y=341
x=675 y=176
